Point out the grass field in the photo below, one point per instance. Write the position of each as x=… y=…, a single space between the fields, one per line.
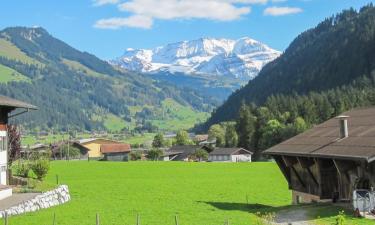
x=9 y=74
x=9 y=50
x=199 y=193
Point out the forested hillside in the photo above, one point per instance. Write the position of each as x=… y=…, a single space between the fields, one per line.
x=336 y=52
x=76 y=90
x=326 y=71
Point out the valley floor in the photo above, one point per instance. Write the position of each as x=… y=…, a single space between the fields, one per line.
x=198 y=193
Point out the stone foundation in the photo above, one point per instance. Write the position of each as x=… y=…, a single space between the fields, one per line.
x=48 y=199
x=300 y=197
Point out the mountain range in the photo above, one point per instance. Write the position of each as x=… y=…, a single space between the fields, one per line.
x=239 y=59
x=76 y=90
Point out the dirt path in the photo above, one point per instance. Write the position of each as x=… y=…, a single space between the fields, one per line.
x=294 y=217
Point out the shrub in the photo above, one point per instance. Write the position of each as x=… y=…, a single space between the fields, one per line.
x=22 y=168
x=155 y=154
x=340 y=219
x=40 y=168
x=135 y=155
x=201 y=154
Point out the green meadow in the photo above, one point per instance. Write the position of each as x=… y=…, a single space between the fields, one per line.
x=199 y=193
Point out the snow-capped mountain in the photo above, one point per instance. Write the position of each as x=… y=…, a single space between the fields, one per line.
x=242 y=58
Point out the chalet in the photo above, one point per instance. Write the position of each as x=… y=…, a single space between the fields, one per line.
x=230 y=155
x=7 y=105
x=331 y=160
x=115 y=152
x=91 y=146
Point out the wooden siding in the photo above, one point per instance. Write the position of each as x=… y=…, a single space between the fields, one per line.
x=326 y=178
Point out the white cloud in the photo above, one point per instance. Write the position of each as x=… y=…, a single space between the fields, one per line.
x=132 y=21
x=280 y=11
x=146 y=11
x=278 y=1
x=223 y=10
x=104 y=2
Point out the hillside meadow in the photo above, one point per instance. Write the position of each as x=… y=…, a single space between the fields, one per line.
x=199 y=193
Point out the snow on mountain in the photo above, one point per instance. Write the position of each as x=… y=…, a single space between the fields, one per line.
x=242 y=58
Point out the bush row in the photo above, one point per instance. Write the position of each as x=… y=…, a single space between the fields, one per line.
x=39 y=167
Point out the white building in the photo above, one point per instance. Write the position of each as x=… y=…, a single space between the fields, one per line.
x=7 y=105
x=230 y=155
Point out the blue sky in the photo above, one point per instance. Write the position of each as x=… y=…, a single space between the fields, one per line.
x=107 y=27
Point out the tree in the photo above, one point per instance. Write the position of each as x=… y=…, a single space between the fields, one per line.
x=69 y=151
x=158 y=141
x=182 y=138
x=201 y=154
x=135 y=155
x=231 y=137
x=14 y=143
x=155 y=154
x=271 y=134
x=217 y=132
x=245 y=127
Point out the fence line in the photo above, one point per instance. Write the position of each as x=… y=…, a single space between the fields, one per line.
x=97 y=219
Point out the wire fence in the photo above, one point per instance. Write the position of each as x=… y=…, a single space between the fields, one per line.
x=97 y=220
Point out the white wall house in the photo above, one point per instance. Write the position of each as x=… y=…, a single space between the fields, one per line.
x=7 y=105
x=230 y=155
x=3 y=157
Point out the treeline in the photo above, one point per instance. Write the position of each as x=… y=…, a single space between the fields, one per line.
x=283 y=116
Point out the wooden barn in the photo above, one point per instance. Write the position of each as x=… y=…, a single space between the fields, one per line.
x=330 y=160
x=115 y=152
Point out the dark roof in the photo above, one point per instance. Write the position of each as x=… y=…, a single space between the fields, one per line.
x=183 y=148
x=323 y=140
x=13 y=103
x=228 y=151
x=114 y=148
x=184 y=151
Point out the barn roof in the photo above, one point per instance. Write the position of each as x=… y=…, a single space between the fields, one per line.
x=13 y=103
x=324 y=140
x=228 y=151
x=114 y=148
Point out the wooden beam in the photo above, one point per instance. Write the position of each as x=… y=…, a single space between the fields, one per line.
x=298 y=176
x=306 y=163
x=284 y=169
x=289 y=161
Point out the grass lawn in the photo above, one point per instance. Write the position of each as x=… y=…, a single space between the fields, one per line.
x=140 y=138
x=9 y=50
x=8 y=74
x=200 y=193
x=114 y=123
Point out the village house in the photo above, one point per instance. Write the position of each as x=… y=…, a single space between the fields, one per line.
x=180 y=152
x=7 y=105
x=91 y=146
x=115 y=152
x=331 y=160
x=230 y=155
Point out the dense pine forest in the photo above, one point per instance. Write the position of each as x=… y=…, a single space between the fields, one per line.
x=324 y=72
